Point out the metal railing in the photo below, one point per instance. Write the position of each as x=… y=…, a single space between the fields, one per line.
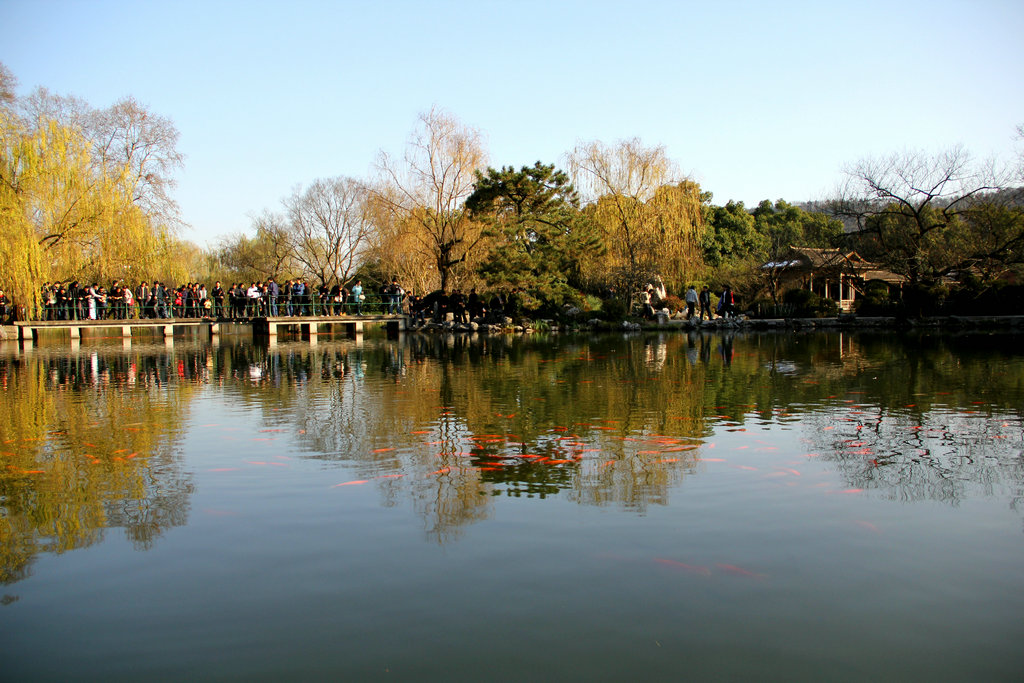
x=239 y=309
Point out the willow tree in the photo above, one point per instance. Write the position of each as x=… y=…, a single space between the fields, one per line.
x=61 y=215
x=84 y=193
x=651 y=218
x=125 y=134
x=425 y=191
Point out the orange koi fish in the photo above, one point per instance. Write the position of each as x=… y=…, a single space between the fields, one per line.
x=704 y=571
x=738 y=571
x=351 y=483
x=382 y=450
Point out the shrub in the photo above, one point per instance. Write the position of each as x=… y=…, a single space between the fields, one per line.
x=876 y=300
x=807 y=304
x=613 y=310
x=673 y=303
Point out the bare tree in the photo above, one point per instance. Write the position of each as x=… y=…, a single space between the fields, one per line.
x=328 y=227
x=8 y=85
x=916 y=208
x=126 y=138
x=68 y=110
x=427 y=189
x=268 y=254
x=1020 y=153
x=146 y=144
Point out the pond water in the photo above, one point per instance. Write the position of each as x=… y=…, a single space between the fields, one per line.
x=650 y=507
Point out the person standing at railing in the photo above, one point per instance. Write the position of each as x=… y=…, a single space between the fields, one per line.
x=395 y=293
x=94 y=302
x=48 y=301
x=319 y=294
x=298 y=290
x=358 y=297
x=286 y=297
x=129 y=303
x=273 y=291
x=335 y=299
x=232 y=301
x=253 y=295
x=144 y=302
x=74 y=302
x=218 y=300
x=64 y=303
x=159 y=300
x=114 y=300
x=241 y=300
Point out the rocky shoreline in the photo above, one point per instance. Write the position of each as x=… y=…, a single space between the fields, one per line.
x=664 y=323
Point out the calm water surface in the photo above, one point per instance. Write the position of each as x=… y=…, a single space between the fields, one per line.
x=667 y=507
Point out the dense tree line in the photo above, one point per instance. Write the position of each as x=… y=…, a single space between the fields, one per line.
x=86 y=194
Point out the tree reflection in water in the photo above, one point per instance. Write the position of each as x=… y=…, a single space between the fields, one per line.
x=92 y=438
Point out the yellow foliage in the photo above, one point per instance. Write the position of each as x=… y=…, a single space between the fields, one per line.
x=63 y=215
x=651 y=224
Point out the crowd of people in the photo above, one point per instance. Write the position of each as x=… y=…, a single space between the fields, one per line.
x=239 y=301
x=726 y=307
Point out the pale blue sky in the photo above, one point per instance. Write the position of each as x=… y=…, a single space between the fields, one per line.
x=754 y=100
